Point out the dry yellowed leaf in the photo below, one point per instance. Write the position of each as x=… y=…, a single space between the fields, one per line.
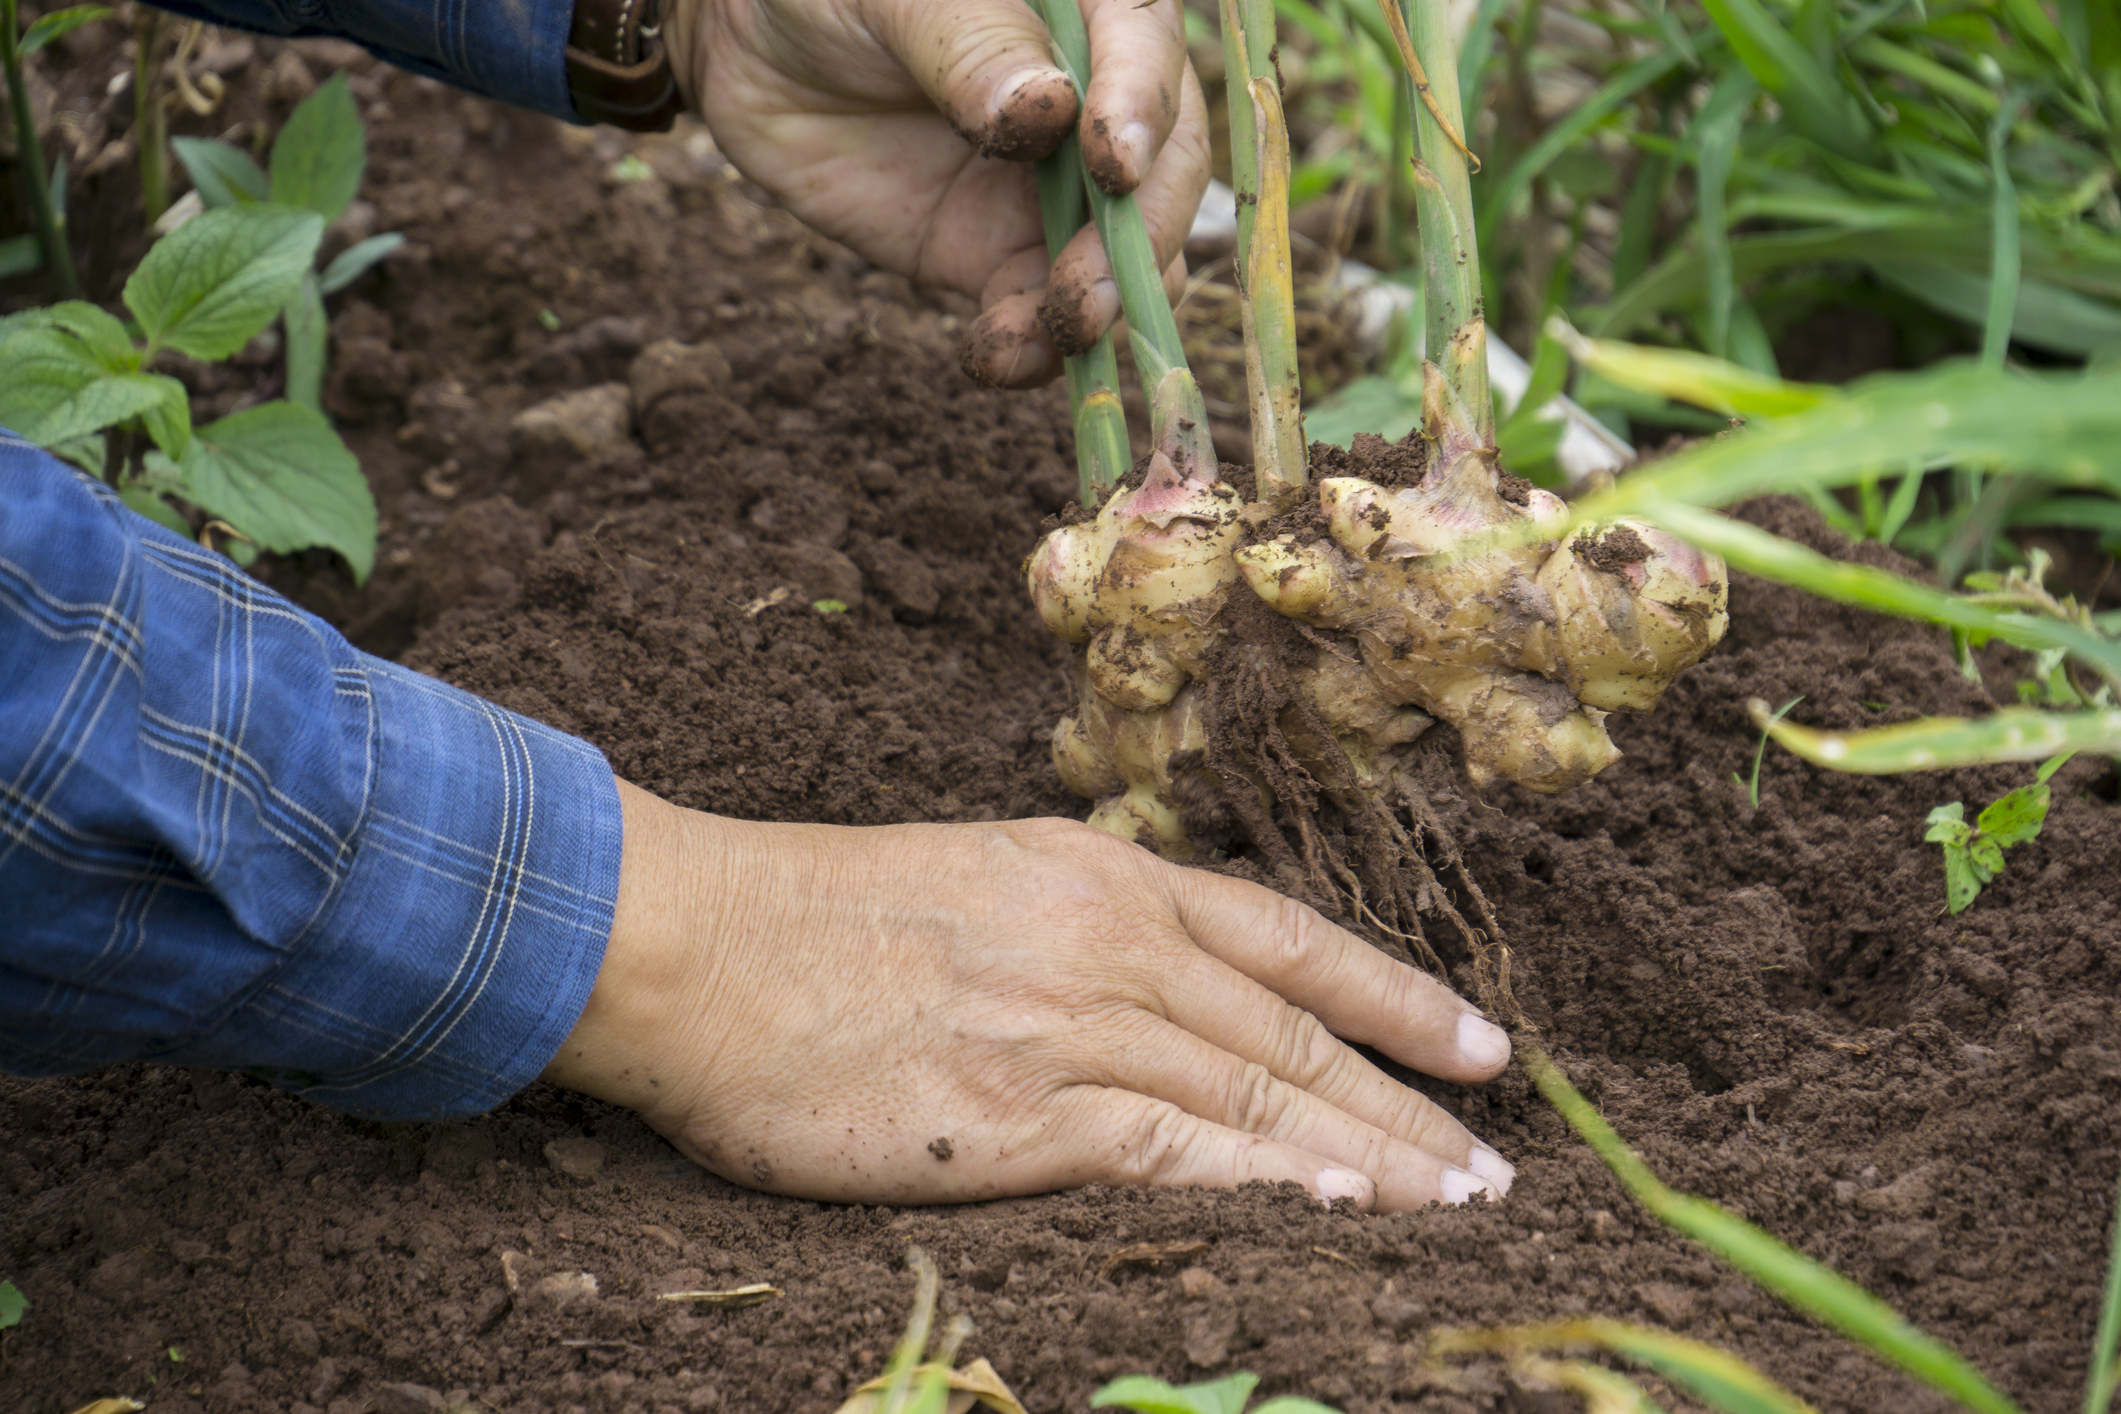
x=117 y=1404
x=731 y=1300
x=976 y=1383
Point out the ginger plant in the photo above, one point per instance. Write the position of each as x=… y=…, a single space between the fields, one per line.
x=1253 y=664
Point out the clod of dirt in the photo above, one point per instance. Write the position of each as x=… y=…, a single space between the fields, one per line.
x=575 y=1156
x=667 y=366
x=405 y=1399
x=902 y=579
x=561 y=1290
x=597 y=352
x=546 y=440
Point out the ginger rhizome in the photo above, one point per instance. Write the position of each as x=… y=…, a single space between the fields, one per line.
x=1523 y=647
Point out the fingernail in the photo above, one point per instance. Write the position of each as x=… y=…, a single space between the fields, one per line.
x=1482 y=1043
x=1019 y=81
x=1459 y=1187
x=1497 y=1170
x=1028 y=364
x=1134 y=141
x=1100 y=307
x=1335 y=1184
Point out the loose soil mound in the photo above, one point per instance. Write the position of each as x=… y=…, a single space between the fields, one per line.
x=1769 y=1002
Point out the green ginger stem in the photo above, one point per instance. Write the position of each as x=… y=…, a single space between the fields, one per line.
x=1455 y=328
x=29 y=155
x=1102 y=453
x=150 y=123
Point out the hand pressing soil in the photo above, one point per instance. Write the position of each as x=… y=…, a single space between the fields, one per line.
x=803 y=1008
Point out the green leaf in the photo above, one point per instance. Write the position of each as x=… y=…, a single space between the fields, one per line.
x=318 y=157
x=208 y=286
x=1939 y=743
x=2044 y=315
x=1962 y=881
x=1986 y=856
x=1700 y=379
x=355 y=261
x=12 y=1305
x=1293 y=1404
x=1719 y=1379
x=53 y=388
x=308 y=335
x=50 y=27
x=98 y=331
x=1816 y=104
x=149 y=502
x=20 y=255
x=1145 y=1395
x=1948 y=825
x=223 y=173
x=279 y=474
x=2016 y=817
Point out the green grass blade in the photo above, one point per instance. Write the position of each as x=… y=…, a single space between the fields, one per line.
x=1715 y=133
x=2045 y=316
x=1700 y=379
x=2067 y=427
x=2003 y=258
x=1571 y=131
x=1809 y=1286
x=2100 y=1380
x=1719 y=1379
x=1816 y=104
x=1940 y=743
x=2093 y=513
x=1755 y=551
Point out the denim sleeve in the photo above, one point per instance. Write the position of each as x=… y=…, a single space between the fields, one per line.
x=230 y=839
x=513 y=50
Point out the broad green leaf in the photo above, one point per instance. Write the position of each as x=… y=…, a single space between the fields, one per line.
x=355 y=261
x=1943 y=743
x=1811 y=1287
x=53 y=389
x=1962 y=881
x=308 y=335
x=1293 y=1404
x=98 y=331
x=20 y=255
x=223 y=173
x=1986 y=856
x=1152 y=1396
x=50 y=27
x=13 y=1304
x=208 y=286
x=149 y=502
x=1948 y=825
x=279 y=474
x=318 y=157
x=2016 y=817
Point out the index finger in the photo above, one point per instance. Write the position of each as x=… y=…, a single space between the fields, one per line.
x=1357 y=991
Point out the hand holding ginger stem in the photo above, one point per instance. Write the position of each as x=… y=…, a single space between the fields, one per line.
x=810 y=1009
x=906 y=129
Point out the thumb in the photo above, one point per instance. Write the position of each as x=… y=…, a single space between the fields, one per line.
x=988 y=64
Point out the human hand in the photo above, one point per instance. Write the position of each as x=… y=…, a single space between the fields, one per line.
x=904 y=129
x=946 y=1013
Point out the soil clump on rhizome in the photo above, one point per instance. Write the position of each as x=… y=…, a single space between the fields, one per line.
x=1768 y=1001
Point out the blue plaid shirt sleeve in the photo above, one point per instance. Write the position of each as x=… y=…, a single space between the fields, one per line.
x=230 y=839
x=513 y=50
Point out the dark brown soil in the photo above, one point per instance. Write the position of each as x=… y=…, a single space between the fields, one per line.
x=1768 y=1001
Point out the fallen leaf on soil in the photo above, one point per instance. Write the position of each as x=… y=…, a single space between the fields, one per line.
x=120 y=1405
x=976 y=1383
x=760 y=606
x=1148 y=1254
x=733 y=1299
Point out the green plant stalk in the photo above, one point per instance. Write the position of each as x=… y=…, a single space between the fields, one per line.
x=1102 y=453
x=150 y=123
x=1941 y=743
x=1178 y=411
x=29 y=156
x=1248 y=54
x=1454 y=325
x=1816 y=1290
x=2099 y=1381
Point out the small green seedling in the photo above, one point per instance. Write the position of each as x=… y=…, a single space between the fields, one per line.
x=829 y=606
x=1752 y=787
x=176 y=1355
x=316 y=165
x=78 y=380
x=1224 y=1396
x=13 y=1305
x=1973 y=854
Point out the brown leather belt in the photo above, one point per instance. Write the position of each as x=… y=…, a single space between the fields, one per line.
x=618 y=68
